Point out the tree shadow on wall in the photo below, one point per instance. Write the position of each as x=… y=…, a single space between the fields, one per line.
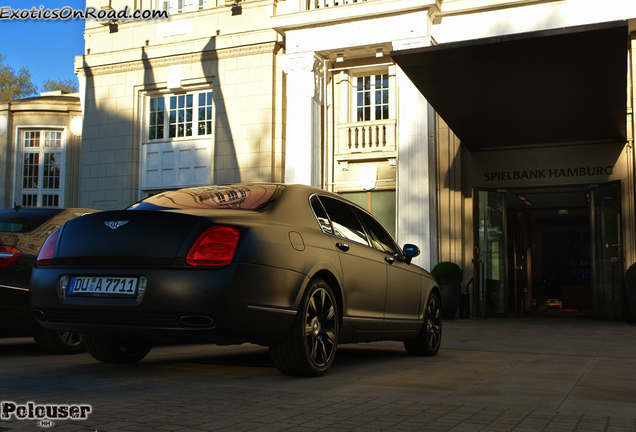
x=225 y=167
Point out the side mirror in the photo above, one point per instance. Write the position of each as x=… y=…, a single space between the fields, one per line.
x=410 y=252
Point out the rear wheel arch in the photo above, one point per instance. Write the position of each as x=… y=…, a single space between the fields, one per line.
x=310 y=347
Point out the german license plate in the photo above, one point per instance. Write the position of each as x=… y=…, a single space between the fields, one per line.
x=103 y=285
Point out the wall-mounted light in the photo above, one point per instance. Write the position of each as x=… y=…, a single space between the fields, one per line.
x=379 y=53
x=235 y=5
x=339 y=58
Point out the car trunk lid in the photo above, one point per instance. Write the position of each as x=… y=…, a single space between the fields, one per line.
x=124 y=238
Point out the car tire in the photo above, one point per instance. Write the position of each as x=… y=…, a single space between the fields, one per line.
x=57 y=341
x=116 y=348
x=310 y=347
x=429 y=339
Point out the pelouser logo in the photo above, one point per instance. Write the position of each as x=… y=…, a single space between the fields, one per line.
x=32 y=411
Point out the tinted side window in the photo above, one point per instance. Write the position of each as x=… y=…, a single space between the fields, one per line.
x=321 y=215
x=379 y=236
x=345 y=223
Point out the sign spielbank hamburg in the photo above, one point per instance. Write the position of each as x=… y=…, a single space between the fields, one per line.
x=552 y=173
x=547 y=166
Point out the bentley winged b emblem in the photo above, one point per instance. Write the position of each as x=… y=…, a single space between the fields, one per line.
x=115 y=224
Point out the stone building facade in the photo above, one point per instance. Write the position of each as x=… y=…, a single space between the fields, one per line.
x=40 y=147
x=445 y=118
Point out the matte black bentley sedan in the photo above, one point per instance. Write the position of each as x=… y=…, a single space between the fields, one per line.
x=290 y=267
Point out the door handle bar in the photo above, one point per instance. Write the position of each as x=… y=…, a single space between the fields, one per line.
x=342 y=246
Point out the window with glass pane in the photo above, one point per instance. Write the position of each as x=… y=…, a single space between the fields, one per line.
x=381 y=97
x=175 y=113
x=381 y=204
x=31 y=170
x=321 y=215
x=51 y=174
x=32 y=139
x=372 y=94
x=156 y=120
x=182 y=6
x=380 y=238
x=364 y=98
x=180 y=116
x=344 y=221
x=205 y=113
x=41 y=171
x=29 y=200
x=53 y=139
x=50 y=200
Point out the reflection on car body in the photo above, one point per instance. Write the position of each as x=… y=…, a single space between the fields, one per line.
x=291 y=267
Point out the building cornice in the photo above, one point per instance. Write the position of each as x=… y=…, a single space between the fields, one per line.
x=199 y=57
x=450 y=9
x=357 y=11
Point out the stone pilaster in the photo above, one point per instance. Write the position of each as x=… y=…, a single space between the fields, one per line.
x=305 y=87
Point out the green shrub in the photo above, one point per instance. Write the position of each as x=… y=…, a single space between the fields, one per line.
x=630 y=276
x=448 y=273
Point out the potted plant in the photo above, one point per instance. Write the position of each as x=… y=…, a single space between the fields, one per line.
x=630 y=281
x=449 y=277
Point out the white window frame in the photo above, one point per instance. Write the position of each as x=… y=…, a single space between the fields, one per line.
x=182 y=6
x=372 y=94
x=169 y=163
x=20 y=190
x=354 y=75
x=168 y=99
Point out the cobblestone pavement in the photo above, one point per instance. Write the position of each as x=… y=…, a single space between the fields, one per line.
x=491 y=375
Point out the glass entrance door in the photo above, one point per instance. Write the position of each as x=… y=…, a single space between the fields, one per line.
x=607 y=253
x=490 y=283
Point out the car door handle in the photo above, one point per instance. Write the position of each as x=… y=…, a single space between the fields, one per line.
x=389 y=259
x=342 y=246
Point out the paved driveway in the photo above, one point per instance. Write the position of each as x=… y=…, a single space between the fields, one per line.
x=491 y=375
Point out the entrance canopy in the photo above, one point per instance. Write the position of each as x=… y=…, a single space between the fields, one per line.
x=558 y=86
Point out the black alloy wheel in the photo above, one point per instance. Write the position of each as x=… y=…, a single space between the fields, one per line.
x=310 y=348
x=58 y=341
x=117 y=348
x=429 y=339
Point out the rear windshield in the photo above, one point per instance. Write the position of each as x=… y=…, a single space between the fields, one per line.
x=241 y=197
x=24 y=219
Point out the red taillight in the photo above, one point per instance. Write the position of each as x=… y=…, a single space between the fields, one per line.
x=45 y=257
x=8 y=255
x=215 y=247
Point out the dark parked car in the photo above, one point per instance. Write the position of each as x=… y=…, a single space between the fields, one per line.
x=22 y=233
x=291 y=267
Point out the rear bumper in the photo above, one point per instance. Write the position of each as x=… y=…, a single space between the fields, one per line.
x=239 y=303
